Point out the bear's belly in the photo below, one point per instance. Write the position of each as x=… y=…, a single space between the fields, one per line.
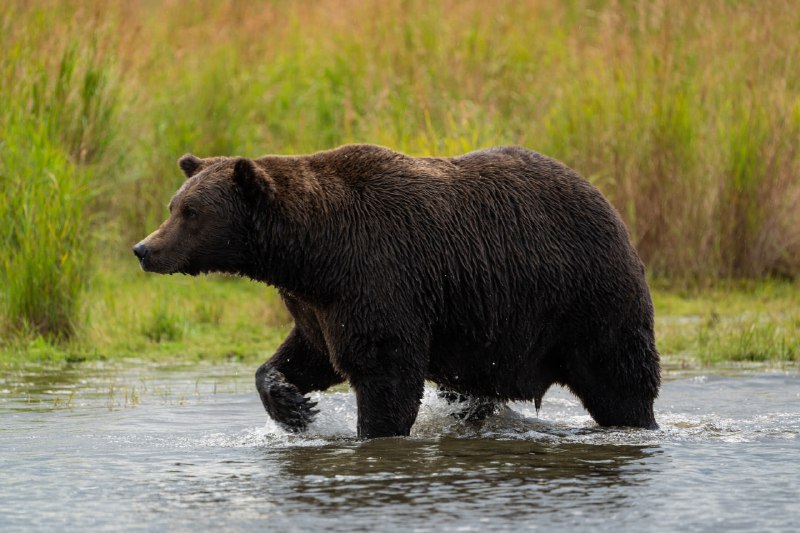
x=513 y=368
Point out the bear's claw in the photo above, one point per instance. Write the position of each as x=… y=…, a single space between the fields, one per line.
x=284 y=402
x=297 y=416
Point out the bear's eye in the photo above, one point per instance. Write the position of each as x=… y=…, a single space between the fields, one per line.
x=189 y=212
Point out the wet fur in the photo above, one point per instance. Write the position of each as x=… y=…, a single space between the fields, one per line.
x=495 y=274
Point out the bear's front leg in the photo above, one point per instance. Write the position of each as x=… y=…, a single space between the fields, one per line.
x=283 y=400
x=282 y=382
x=388 y=377
x=387 y=407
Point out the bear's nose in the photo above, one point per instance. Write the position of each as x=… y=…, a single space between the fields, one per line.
x=140 y=251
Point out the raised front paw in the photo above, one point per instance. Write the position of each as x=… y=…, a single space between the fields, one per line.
x=284 y=402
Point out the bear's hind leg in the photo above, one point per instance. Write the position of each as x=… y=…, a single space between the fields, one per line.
x=282 y=382
x=618 y=390
x=471 y=408
x=611 y=408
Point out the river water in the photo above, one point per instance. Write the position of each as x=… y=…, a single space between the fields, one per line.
x=145 y=448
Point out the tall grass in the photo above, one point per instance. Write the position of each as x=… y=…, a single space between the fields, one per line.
x=45 y=236
x=56 y=124
x=686 y=114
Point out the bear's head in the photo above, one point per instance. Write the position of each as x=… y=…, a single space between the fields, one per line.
x=210 y=225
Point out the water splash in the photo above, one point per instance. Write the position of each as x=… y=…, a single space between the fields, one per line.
x=561 y=420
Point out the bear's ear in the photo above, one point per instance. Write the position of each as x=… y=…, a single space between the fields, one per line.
x=190 y=164
x=252 y=180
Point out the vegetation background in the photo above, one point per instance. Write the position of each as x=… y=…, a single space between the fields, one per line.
x=685 y=114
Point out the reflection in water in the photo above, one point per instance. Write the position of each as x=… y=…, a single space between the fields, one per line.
x=421 y=484
x=423 y=478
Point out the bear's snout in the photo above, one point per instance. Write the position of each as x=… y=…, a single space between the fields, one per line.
x=154 y=256
x=140 y=251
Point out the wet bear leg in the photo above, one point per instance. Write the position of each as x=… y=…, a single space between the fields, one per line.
x=618 y=390
x=388 y=377
x=282 y=382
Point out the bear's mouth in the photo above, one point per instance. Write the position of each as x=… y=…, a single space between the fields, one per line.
x=159 y=267
x=190 y=271
x=146 y=265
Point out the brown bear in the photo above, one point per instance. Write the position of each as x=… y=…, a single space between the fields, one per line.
x=494 y=274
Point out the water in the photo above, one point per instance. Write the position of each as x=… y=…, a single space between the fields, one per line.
x=152 y=448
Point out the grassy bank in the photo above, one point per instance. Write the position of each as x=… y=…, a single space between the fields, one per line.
x=686 y=115
x=134 y=315
x=734 y=321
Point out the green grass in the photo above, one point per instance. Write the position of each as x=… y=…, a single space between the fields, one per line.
x=733 y=321
x=134 y=315
x=44 y=237
x=56 y=126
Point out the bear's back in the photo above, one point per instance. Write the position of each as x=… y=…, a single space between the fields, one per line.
x=506 y=195
x=490 y=216
x=366 y=165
